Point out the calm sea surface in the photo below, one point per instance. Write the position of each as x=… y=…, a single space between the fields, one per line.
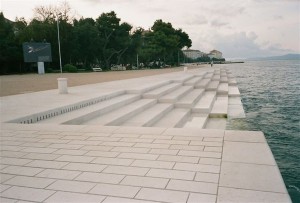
x=270 y=92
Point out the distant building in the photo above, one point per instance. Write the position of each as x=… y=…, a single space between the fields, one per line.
x=192 y=54
x=215 y=54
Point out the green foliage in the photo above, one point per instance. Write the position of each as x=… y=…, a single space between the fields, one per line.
x=49 y=70
x=105 y=41
x=70 y=68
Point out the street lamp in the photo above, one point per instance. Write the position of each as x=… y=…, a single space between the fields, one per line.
x=59 y=44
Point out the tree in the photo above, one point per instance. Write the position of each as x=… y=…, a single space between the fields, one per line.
x=85 y=42
x=10 y=54
x=163 y=42
x=114 y=38
x=104 y=41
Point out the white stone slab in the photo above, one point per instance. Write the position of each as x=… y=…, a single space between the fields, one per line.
x=244 y=136
x=27 y=194
x=209 y=75
x=205 y=103
x=193 y=81
x=220 y=107
x=172 y=97
x=93 y=111
x=74 y=197
x=212 y=86
x=190 y=99
x=156 y=93
x=203 y=83
x=226 y=195
x=194 y=132
x=234 y=101
x=216 y=123
x=175 y=118
x=120 y=115
x=223 y=89
x=224 y=78
x=236 y=111
x=233 y=91
x=216 y=77
x=256 y=153
x=149 y=116
x=252 y=177
x=197 y=122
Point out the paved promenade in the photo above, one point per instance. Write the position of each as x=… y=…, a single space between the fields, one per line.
x=54 y=162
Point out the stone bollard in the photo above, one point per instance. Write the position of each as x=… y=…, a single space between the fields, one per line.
x=62 y=85
x=185 y=69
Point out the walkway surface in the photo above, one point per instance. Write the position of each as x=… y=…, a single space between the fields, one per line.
x=44 y=162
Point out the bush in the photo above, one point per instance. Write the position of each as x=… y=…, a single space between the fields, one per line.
x=49 y=70
x=70 y=68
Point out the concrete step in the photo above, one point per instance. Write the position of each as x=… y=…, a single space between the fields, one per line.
x=146 y=87
x=182 y=78
x=120 y=115
x=172 y=97
x=198 y=121
x=236 y=111
x=232 y=82
x=216 y=77
x=230 y=75
x=158 y=92
x=224 y=79
x=212 y=85
x=189 y=100
x=202 y=83
x=206 y=102
x=223 y=73
x=233 y=91
x=234 y=101
x=193 y=81
x=220 y=108
x=84 y=114
x=208 y=75
x=216 y=123
x=149 y=116
x=222 y=89
x=217 y=71
x=235 y=108
x=176 y=118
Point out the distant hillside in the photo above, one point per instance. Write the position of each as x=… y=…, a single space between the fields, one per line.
x=283 y=57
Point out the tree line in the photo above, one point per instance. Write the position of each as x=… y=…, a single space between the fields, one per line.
x=88 y=42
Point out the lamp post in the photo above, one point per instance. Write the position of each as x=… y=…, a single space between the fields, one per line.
x=59 y=44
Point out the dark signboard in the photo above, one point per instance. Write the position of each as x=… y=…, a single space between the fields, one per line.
x=37 y=52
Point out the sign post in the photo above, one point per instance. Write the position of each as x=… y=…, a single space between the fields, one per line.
x=38 y=53
x=41 y=68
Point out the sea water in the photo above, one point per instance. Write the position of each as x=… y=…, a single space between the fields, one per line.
x=270 y=92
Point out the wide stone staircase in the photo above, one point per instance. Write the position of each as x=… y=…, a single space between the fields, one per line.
x=200 y=100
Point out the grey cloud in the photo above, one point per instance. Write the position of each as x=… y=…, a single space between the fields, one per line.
x=241 y=45
x=218 y=23
x=278 y=17
x=252 y=35
x=196 y=20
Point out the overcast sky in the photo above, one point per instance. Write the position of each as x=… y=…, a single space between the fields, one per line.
x=238 y=28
